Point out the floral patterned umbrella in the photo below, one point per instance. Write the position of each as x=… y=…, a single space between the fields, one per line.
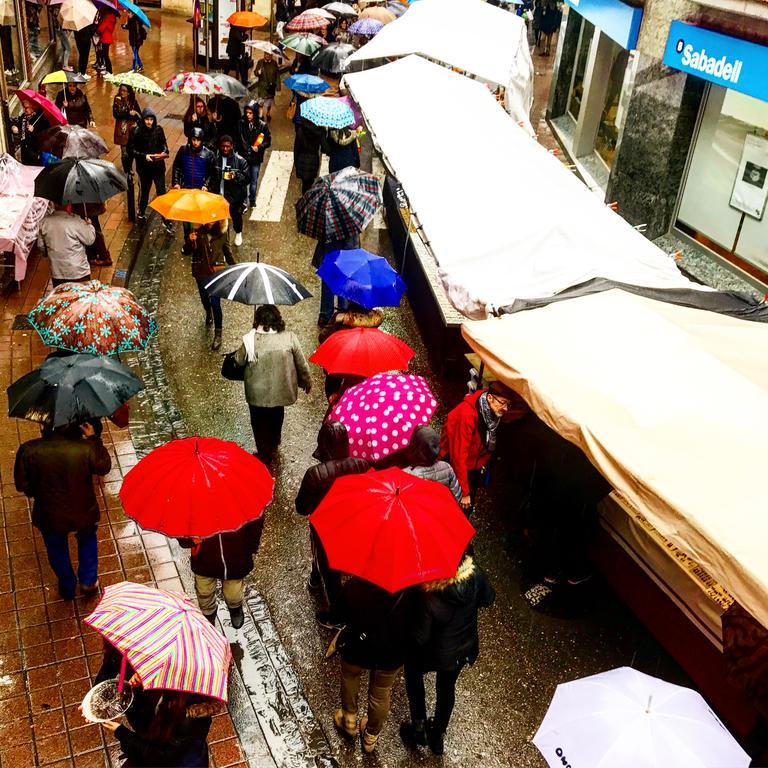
x=193 y=83
x=382 y=412
x=367 y=27
x=92 y=317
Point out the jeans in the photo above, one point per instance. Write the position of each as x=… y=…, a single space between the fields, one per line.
x=327 y=298
x=380 y=686
x=253 y=187
x=66 y=46
x=136 y=58
x=205 y=587
x=57 y=546
x=211 y=302
x=148 y=175
x=445 y=689
x=267 y=426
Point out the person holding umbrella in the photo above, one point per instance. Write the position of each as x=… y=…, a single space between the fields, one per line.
x=232 y=172
x=267 y=74
x=63 y=238
x=341 y=147
x=137 y=34
x=25 y=129
x=235 y=53
x=75 y=105
x=127 y=113
x=253 y=140
x=306 y=151
x=148 y=146
x=199 y=116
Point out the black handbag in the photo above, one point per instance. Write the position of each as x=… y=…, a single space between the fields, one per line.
x=230 y=368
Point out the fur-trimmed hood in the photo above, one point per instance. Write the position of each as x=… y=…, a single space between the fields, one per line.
x=344 y=136
x=464 y=573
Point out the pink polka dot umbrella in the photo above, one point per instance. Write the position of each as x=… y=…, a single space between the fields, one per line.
x=382 y=412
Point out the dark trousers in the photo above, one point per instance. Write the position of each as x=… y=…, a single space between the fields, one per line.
x=57 y=547
x=105 y=60
x=61 y=280
x=147 y=177
x=83 y=51
x=306 y=184
x=445 y=689
x=331 y=579
x=236 y=214
x=212 y=303
x=267 y=426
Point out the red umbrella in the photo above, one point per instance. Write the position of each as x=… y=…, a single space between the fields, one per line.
x=196 y=487
x=392 y=529
x=49 y=108
x=362 y=351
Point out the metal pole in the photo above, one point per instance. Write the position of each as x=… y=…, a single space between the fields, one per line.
x=207 y=37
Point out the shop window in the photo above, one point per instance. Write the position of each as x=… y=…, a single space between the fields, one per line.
x=10 y=47
x=610 y=120
x=582 y=54
x=39 y=28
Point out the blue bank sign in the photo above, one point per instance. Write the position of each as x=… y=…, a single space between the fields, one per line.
x=723 y=60
x=619 y=21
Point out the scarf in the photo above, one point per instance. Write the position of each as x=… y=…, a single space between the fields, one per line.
x=490 y=421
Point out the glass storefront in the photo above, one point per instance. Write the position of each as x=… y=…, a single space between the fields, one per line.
x=11 y=50
x=723 y=204
x=39 y=28
x=611 y=119
x=582 y=55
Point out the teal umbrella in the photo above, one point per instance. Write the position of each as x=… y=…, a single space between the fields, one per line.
x=304 y=44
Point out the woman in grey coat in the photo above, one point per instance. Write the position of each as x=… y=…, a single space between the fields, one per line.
x=275 y=368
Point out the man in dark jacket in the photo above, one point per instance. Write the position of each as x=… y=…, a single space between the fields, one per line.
x=306 y=150
x=253 y=140
x=56 y=471
x=232 y=182
x=333 y=454
x=149 y=148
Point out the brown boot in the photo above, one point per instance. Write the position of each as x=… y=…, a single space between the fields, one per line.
x=346 y=722
x=216 y=340
x=367 y=740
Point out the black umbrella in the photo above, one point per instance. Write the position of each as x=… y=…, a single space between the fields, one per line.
x=333 y=58
x=71 y=141
x=74 y=180
x=255 y=283
x=71 y=389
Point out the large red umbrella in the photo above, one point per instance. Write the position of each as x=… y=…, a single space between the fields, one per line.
x=196 y=487
x=362 y=351
x=392 y=529
x=51 y=111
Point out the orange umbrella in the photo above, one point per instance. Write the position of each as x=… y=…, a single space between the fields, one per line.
x=191 y=205
x=247 y=19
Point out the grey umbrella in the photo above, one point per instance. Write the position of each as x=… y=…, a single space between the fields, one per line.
x=72 y=141
x=333 y=58
x=230 y=87
x=75 y=180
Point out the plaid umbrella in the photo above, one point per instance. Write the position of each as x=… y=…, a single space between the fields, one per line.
x=306 y=83
x=306 y=44
x=72 y=141
x=333 y=57
x=338 y=206
x=367 y=27
x=193 y=83
x=139 y=83
x=326 y=112
x=92 y=317
x=165 y=638
x=308 y=19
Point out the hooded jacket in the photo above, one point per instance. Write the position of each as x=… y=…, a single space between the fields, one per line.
x=445 y=619
x=335 y=461
x=341 y=148
x=247 y=137
x=78 y=110
x=148 y=141
x=193 y=168
x=207 y=126
x=421 y=460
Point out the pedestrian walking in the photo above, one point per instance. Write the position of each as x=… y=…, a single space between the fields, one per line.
x=149 y=148
x=63 y=238
x=446 y=640
x=253 y=140
x=137 y=34
x=275 y=367
x=236 y=53
x=374 y=639
x=420 y=458
x=25 y=128
x=341 y=147
x=64 y=36
x=127 y=113
x=83 y=40
x=105 y=29
x=56 y=470
x=334 y=461
x=74 y=103
x=469 y=437
x=199 y=116
x=210 y=253
x=267 y=75
x=228 y=558
x=232 y=176
x=548 y=25
x=306 y=151
x=281 y=16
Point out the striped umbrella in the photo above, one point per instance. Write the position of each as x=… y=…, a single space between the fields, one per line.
x=367 y=27
x=165 y=638
x=307 y=20
x=338 y=206
x=193 y=83
x=254 y=283
x=327 y=112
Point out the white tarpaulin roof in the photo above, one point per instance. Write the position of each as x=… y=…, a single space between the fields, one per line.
x=470 y=35
x=503 y=218
x=669 y=403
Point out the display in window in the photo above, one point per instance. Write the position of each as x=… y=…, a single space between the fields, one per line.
x=750 y=189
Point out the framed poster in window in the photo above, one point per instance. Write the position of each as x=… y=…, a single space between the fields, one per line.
x=750 y=189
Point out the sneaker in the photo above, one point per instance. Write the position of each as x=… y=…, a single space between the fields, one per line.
x=168 y=227
x=238 y=238
x=324 y=619
x=142 y=217
x=367 y=740
x=237 y=616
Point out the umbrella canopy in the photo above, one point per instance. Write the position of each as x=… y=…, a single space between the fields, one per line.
x=305 y=44
x=92 y=317
x=625 y=717
x=306 y=83
x=191 y=205
x=367 y=27
x=136 y=11
x=340 y=9
x=60 y=76
x=396 y=9
x=339 y=205
x=263 y=45
x=362 y=277
x=392 y=529
x=333 y=57
x=193 y=83
x=76 y=180
x=362 y=352
x=165 y=638
x=377 y=13
x=358 y=115
x=197 y=487
x=247 y=19
x=327 y=112
x=381 y=413
x=324 y=13
x=254 y=283
x=76 y=14
x=72 y=141
x=72 y=389
x=139 y=83
x=50 y=110
x=307 y=20
x=231 y=87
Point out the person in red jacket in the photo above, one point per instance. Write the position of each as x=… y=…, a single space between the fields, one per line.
x=469 y=436
x=106 y=32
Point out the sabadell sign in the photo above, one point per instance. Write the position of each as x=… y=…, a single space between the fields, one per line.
x=723 y=60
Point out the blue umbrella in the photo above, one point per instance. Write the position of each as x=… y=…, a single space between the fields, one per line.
x=362 y=277
x=367 y=27
x=306 y=83
x=326 y=112
x=136 y=11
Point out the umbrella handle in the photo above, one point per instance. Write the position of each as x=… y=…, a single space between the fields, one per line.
x=121 y=678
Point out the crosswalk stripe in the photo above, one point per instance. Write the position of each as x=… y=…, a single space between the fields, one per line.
x=377 y=167
x=273 y=187
x=324 y=166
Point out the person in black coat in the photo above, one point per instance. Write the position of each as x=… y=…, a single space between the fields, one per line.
x=149 y=149
x=306 y=152
x=226 y=557
x=226 y=114
x=26 y=128
x=231 y=181
x=199 y=116
x=341 y=148
x=446 y=639
x=253 y=140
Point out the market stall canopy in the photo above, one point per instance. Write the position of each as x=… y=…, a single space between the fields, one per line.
x=472 y=36
x=512 y=223
x=669 y=403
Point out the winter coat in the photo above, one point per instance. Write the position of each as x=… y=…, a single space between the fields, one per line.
x=235 y=46
x=148 y=141
x=335 y=461
x=30 y=154
x=306 y=149
x=273 y=375
x=78 y=110
x=106 y=27
x=56 y=470
x=227 y=116
x=209 y=253
x=137 y=32
x=247 y=135
x=125 y=122
x=342 y=151
x=268 y=74
x=445 y=619
x=378 y=625
x=193 y=169
x=462 y=443
x=420 y=459
x=235 y=190
x=210 y=130
x=228 y=555
x=550 y=18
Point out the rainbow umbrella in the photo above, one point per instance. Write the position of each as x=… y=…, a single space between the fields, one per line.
x=165 y=638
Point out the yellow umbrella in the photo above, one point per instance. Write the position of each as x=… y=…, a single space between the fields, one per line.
x=60 y=76
x=191 y=205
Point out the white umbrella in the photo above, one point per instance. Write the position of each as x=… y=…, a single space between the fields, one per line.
x=340 y=9
x=624 y=718
x=76 y=14
x=324 y=12
x=263 y=45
